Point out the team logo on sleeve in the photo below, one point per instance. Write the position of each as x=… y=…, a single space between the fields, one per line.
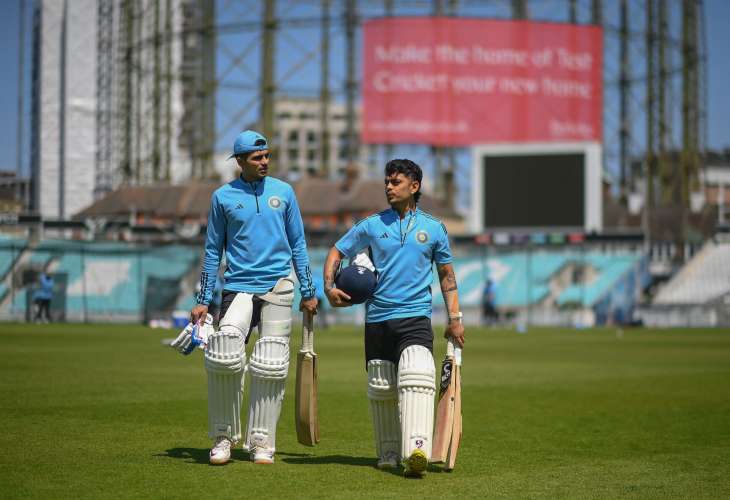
x=422 y=237
x=275 y=202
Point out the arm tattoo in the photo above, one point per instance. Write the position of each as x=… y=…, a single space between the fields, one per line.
x=448 y=281
x=329 y=278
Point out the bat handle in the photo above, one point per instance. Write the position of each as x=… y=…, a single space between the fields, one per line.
x=453 y=351
x=307 y=332
x=449 y=347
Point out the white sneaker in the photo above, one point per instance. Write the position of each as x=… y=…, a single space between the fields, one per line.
x=221 y=452
x=262 y=455
x=389 y=460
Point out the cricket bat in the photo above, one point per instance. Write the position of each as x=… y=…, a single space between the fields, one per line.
x=305 y=412
x=447 y=430
x=456 y=430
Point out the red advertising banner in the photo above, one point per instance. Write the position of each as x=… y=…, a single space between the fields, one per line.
x=456 y=82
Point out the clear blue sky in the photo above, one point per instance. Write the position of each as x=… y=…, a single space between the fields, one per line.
x=717 y=15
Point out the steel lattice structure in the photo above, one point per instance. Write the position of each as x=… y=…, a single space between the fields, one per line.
x=176 y=79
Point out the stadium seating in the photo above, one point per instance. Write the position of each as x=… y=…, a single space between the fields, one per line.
x=703 y=279
x=610 y=270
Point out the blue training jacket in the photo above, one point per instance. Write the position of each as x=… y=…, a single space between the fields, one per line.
x=260 y=227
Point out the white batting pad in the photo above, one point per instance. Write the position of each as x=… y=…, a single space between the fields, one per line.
x=268 y=368
x=416 y=389
x=225 y=358
x=383 y=396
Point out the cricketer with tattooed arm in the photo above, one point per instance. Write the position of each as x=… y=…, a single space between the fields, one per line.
x=404 y=243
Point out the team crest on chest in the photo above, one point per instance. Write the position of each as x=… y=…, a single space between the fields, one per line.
x=275 y=202
x=422 y=237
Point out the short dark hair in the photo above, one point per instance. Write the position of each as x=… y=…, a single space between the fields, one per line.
x=245 y=155
x=408 y=168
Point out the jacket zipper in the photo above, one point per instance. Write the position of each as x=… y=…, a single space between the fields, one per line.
x=256 y=195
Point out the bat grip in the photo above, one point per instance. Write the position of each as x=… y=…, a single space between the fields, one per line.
x=449 y=347
x=307 y=332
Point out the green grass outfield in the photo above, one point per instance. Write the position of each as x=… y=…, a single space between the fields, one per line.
x=94 y=411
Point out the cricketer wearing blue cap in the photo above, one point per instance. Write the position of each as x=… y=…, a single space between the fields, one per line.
x=256 y=221
x=404 y=242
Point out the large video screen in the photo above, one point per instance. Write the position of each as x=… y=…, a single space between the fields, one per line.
x=546 y=190
x=457 y=82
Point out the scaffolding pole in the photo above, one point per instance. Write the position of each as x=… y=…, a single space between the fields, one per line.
x=126 y=33
x=138 y=19
x=324 y=92
x=438 y=152
x=650 y=106
x=35 y=110
x=388 y=151
x=690 y=115
x=624 y=93
x=702 y=76
x=207 y=79
x=104 y=76
x=664 y=164
x=519 y=9
x=573 y=11
x=167 y=146
x=650 y=160
x=596 y=12
x=156 y=97
x=268 y=85
x=351 y=79
x=21 y=97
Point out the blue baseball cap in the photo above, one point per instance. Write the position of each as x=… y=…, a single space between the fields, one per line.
x=248 y=141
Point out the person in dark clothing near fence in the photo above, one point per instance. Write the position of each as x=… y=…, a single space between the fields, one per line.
x=489 y=309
